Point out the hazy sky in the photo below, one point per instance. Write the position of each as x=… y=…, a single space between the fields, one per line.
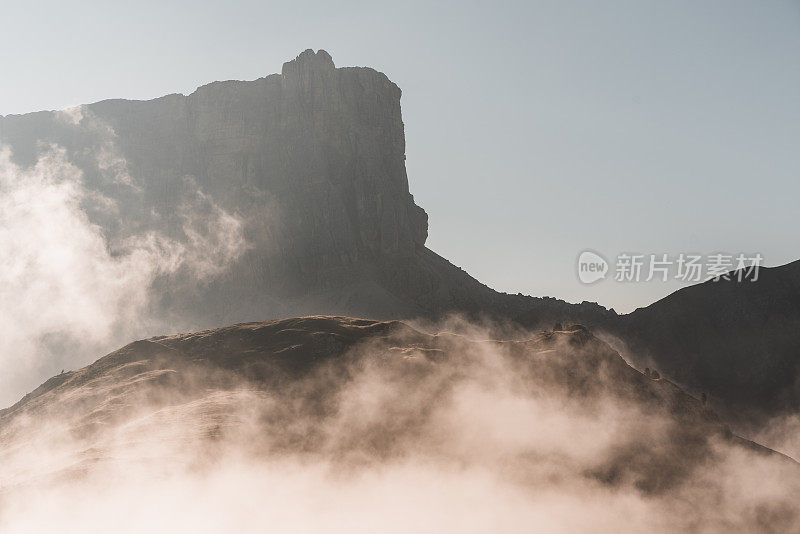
x=534 y=130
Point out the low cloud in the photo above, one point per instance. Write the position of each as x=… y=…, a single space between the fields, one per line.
x=66 y=294
x=390 y=436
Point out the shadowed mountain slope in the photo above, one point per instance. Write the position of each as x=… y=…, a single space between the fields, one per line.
x=737 y=341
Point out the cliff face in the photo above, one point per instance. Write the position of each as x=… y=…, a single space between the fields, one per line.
x=311 y=162
x=326 y=144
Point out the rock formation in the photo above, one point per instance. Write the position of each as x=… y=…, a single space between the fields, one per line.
x=313 y=162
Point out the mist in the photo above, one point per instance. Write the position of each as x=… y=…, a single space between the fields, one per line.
x=68 y=292
x=389 y=436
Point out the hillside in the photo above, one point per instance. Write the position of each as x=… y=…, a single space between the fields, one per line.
x=738 y=342
x=559 y=411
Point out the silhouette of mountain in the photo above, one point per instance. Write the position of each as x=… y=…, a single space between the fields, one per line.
x=311 y=160
x=739 y=342
x=311 y=163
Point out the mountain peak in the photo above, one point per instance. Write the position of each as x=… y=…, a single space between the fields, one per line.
x=309 y=60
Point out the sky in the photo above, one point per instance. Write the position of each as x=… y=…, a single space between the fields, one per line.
x=535 y=130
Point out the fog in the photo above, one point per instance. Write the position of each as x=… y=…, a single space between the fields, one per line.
x=781 y=433
x=67 y=293
x=390 y=436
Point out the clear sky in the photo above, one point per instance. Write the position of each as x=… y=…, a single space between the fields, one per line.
x=534 y=130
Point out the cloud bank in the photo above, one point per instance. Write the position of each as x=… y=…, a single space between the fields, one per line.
x=68 y=295
x=391 y=436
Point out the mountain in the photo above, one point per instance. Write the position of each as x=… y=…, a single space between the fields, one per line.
x=739 y=342
x=288 y=195
x=559 y=409
x=311 y=162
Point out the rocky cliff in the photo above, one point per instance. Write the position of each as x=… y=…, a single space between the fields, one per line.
x=310 y=161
